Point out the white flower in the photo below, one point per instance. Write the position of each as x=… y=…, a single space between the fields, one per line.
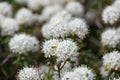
x=24 y=16
x=70 y=76
x=110 y=38
x=111 y=61
x=22 y=2
x=75 y=8
x=34 y=5
x=9 y=26
x=79 y=73
x=49 y=11
x=49 y=47
x=58 y=26
x=116 y=4
x=5 y=9
x=65 y=50
x=78 y=27
x=110 y=15
x=29 y=74
x=83 y=73
x=116 y=78
x=22 y=43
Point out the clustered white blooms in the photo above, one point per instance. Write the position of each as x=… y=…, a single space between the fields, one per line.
x=24 y=16
x=9 y=26
x=34 y=5
x=66 y=49
x=110 y=15
x=63 y=24
x=61 y=49
x=29 y=74
x=116 y=78
x=5 y=9
x=78 y=27
x=49 y=47
x=110 y=38
x=116 y=4
x=75 y=8
x=23 y=43
x=111 y=61
x=49 y=11
x=79 y=73
x=58 y=25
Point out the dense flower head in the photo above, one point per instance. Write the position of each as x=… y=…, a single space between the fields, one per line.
x=66 y=49
x=49 y=47
x=75 y=8
x=111 y=61
x=79 y=73
x=34 y=5
x=110 y=38
x=5 y=9
x=9 y=26
x=24 y=16
x=29 y=74
x=49 y=11
x=78 y=27
x=22 y=43
x=58 y=26
x=110 y=15
x=116 y=4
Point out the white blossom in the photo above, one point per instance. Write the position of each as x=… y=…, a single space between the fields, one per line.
x=78 y=27
x=110 y=38
x=22 y=43
x=75 y=8
x=66 y=49
x=29 y=74
x=111 y=61
x=5 y=9
x=110 y=15
x=79 y=73
x=9 y=26
x=34 y=5
x=49 y=11
x=24 y=16
x=49 y=47
x=1 y=19
x=58 y=25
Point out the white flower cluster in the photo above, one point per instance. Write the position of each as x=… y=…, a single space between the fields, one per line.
x=5 y=9
x=22 y=43
x=29 y=74
x=63 y=24
x=49 y=47
x=75 y=8
x=78 y=27
x=111 y=61
x=58 y=25
x=9 y=26
x=49 y=11
x=110 y=38
x=111 y=14
x=61 y=49
x=80 y=73
x=24 y=16
x=117 y=78
x=34 y=5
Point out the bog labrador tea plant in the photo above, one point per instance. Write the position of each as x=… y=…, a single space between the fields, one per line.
x=59 y=39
